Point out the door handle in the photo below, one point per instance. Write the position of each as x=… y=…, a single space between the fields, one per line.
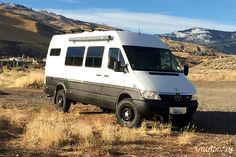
x=106 y=75
x=98 y=75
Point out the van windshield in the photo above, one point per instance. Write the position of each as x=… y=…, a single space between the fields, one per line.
x=151 y=59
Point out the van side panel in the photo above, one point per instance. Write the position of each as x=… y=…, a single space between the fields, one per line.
x=100 y=86
x=84 y=92
x=110 y=94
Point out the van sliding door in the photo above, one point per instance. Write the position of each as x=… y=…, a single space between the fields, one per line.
x=90 y=90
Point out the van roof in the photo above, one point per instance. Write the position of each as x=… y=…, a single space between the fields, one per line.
x=125 y=38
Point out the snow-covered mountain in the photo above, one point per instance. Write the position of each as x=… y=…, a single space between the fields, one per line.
x=220 y=40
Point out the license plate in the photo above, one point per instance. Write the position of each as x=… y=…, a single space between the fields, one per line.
x=178 y=110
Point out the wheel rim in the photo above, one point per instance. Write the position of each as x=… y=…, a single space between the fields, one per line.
x=60 y=101
x=127 y=114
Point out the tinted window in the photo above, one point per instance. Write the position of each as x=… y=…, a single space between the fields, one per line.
x=55 y=52
x=151 y=59
x=74 y=56
x=115 y=55
x=94 y=57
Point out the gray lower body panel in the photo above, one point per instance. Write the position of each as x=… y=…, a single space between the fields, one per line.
x=107 y=96
x=86 y=92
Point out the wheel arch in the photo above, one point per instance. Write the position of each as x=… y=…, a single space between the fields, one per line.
x=123 y=96
x=133 y=94
x=59 y=86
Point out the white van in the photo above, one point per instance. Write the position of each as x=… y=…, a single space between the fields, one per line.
x=133 y=74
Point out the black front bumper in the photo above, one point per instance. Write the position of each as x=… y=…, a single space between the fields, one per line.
x=153 y=107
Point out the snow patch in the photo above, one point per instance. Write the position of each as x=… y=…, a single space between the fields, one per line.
x=199 y=34
x=233 y=36
x=203 y=36
x=199 y=31
x=180 y=34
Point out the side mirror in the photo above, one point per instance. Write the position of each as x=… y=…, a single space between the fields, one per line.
x=125 y=68
x=116 y=66
x=186 y=70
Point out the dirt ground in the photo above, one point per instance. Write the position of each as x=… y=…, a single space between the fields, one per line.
x=215 y=126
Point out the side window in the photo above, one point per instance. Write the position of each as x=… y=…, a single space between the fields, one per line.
x=74 y=56
x=94 y=57
x=115 y=55
x=55 y=52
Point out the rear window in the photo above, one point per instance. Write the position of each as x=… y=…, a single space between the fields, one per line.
x=55 y=52
x=94 y=57
x=74 y=56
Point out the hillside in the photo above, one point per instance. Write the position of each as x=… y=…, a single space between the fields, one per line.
x=19 y=35
x=191 y=54
x=27 y=31
x=221 y=40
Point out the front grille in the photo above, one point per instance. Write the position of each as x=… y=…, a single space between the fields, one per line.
x=172 y=98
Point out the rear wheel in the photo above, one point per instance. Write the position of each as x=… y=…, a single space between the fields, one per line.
x=127 y=114
x=62 y=103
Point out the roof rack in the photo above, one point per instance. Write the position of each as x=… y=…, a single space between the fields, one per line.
x=92 y=38
x=79 y=30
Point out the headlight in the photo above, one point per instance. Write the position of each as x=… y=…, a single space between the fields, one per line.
x=194 y=97
x=150 y=95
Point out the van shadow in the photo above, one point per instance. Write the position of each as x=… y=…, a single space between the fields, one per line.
x=3 y=93
x=8 y=130
x=91 y=112
x=215 y=122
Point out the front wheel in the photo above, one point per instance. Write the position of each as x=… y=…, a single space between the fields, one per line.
x=62 y=103
x=127 y=114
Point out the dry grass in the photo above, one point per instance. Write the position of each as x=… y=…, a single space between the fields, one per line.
x=55 y=129
x=129 y=134
x=29 y=25
x=51 y=130
x=46 y=130
x=21 y=78
x=108 y=134
x=219 y=69
x=186 y=138
x=15 y=116
x=84 y=132
x=212 y=75
x=156 y=128
x=116 y=133
x=103 y=136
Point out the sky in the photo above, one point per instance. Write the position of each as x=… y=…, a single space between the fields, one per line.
x=150 y=16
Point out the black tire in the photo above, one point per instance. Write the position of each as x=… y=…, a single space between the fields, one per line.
x=181 y=121
x=127 y=114
x=62 y=103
